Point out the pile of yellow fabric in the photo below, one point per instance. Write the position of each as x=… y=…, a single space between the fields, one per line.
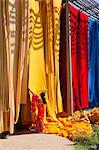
x=80 y=129
x=68 y=127
x=55 y=127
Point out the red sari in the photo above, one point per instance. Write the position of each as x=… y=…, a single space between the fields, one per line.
x=37 y=103
x=79 y=48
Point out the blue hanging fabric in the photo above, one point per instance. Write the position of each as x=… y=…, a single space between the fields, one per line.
x=93 y=59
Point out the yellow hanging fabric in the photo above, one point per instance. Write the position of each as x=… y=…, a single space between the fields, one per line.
x=4 y=92
x=52 y=45
x=14 y=46
x=37 y=78
x=44 y=50
x=7 y=118
x=37 y=81
x=21 y=62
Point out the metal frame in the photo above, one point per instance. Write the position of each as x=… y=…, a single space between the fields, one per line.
x=90 y=7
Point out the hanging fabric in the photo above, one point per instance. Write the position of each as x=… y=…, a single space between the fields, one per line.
x=62 y=57
x=65 y=60
x=83 y=59
x=4 y=87
x=37 y=80
x=4 y=83
x=79 y=46
x=52 y=46
x=37 y=76
x=93 y=63
x=44 y=50
x=14 y=46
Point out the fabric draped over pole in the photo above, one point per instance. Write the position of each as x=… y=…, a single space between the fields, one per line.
x=44 y=52
x=13 y=53
x=79 y=48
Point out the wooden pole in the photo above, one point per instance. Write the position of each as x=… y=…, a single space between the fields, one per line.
x=68 y=64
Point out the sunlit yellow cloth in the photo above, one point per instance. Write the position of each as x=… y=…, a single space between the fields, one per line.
x=37 y=80
x=44 y=50
x=52 y=44
x=37 y=77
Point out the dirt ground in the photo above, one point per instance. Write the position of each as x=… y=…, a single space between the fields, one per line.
x=35 y=142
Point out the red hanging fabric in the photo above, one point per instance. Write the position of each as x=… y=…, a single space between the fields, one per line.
x=74 y=24
x=79 y=48
x=83 y=48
